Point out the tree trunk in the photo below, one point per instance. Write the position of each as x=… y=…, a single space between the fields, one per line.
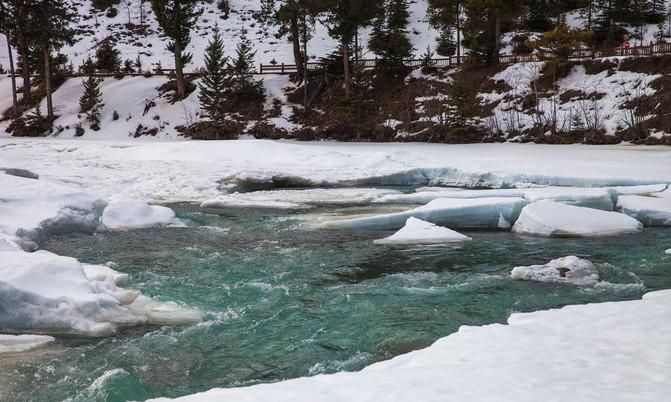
x=345 y=61
x=15 y=102
x=47 y=82
x=25 y=72
x=179 y=73
x=296 y=42
x=497 y=35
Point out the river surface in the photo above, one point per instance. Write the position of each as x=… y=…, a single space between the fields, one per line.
x=283 y=299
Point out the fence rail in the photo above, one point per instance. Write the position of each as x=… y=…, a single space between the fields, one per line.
x=654 y=49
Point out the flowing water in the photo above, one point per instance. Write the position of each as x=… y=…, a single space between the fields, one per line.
x=283 y=299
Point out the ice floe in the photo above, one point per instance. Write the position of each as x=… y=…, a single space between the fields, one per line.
x=299 y=198
x=491 y=212
x=42 y=292
x=31 y=208
x=569 y=269
x=22 y=343
x=651 y=211
x=549 y=218
x=562 y=354
x=135 y=214
x=417 y=231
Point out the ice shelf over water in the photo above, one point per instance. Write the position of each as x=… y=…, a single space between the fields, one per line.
x=569 y=269
x=22 y=343
x=548 y=218
x=651 y=211
x=492 y=212
x=606 y=352
x=46 y=293
x=417 y=231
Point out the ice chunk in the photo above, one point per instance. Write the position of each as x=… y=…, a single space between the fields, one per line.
x=47 y=293
x=22 y=343
x=664 y=194
x=668 y=252
x=549 y=218
x=569 y=269
x=651 y=211
x=238 y=202
x=135 y=214
x=426 y=195
x=453 y=212
x=417 y=231
x=32 y=208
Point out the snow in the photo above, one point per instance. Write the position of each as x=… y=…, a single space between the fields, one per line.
x=650 y=211
x=22 y=343
x=47 y=293
x=300 y=198
x=590 y=352
x=31 y=208
x=569 y=269
x=492 y=212
x=548 y=218
x=135 y=214
x=417 y=231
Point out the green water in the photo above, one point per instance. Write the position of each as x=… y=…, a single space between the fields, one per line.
x=283 y=300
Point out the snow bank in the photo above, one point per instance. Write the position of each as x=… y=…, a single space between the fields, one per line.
x=569 y=269
x=46 y=293
x=417 y=231
x=592 y=352
x=32 y=208
x=22 y=343
x=493 y=212
x=651 y=211
x=194 y=170
x=135 y=214
x=548 y=218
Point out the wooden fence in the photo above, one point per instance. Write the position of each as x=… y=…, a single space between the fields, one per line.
x=577 y=54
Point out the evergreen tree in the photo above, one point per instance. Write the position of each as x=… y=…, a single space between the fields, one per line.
x=243 y=84
x=215 y=82
x=485 y=21
x=446 y=16
x=561 y=41
x=176 y=18
x=108 y=57
x=344 y=18
x=90 y=102
x=54 y=18
x=390 y=38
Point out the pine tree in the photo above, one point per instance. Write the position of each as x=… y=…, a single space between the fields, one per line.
x=561 y=41
x=7 y=28
x=390 y=38
x=54 y=18
x=90 y=102
x=176 y=18
x=108 y=57
x=243 y=83
x=344 y=18
x=446 y=16
x=485 y=21
x=215 y=82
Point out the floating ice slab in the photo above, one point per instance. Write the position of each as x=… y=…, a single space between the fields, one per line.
x=548 y=218
x=417 y=231
x=639 y=190
x=299 y=199
x=551 y=355
x=493 y=212
x=651 y=211
x=33 y=208
x=46 y=293
x=22 y=343
x=599 y=198
x=569 y=269
x=135 y=214
x=424 y=196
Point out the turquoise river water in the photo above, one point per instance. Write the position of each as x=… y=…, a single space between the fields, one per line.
x=282 y=299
